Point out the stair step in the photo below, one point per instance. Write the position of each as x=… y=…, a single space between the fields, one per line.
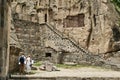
x=30 y=77
x=64 y=78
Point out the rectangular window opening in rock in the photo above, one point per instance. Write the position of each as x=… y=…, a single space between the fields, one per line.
x=74 y=21
x=50 y=15
x=48 y=55
x=81 y=20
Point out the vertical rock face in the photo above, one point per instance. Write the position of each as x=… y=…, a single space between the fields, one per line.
x=42 y=41
x=4 y=38
x=103 y=18
x=90 y=22
x=68 y=25
x=101 y=26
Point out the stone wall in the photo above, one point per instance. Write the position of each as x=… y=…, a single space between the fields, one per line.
x=64 y=78
x=73 y=78
x=39 y=39
x=96 y=33
x=44 y=41
x=13 y=59
x=64 y=34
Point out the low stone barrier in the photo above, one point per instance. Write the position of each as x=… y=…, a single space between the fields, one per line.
x=63 y=78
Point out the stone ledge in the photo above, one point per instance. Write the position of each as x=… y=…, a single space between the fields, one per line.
x=16 y=77
x=70 y=63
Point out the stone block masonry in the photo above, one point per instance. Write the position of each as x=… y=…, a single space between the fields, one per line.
x=89 y=22
x=43 y=41
x=40 y=39
x=72 y=79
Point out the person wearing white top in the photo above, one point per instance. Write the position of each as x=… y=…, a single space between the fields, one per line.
x=28 y=63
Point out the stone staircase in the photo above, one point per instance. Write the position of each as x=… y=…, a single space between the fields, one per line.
x=18 y=77
x=49 y=32
x=46 y=31
x=88 y=56
x=63 y=36
x=46 y=34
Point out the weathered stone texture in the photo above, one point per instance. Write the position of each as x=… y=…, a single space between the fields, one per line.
x=43 y=37
x=4 y=38
x=65 y=26
x=43 y=41
x=70 y=78
x=92 y=31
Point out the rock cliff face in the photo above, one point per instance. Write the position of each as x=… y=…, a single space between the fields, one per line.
x=4 y=38
x=103 y=20
x=43 y=41
x=92 y=23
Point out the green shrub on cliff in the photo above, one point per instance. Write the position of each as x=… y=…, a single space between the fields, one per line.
x=117 y=4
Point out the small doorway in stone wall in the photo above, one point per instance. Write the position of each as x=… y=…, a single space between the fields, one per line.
x=48 y=55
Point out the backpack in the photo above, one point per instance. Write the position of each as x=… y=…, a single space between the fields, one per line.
x=22 y=60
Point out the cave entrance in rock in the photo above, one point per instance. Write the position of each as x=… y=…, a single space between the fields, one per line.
x=48 y=54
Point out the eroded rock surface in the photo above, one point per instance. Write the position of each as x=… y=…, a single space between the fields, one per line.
x=90 y=24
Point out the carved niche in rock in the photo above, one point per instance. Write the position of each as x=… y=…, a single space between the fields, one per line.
x=74 y=21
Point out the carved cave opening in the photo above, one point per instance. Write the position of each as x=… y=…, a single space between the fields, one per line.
x=50 y=15
x=74 y=21
x=48 y=55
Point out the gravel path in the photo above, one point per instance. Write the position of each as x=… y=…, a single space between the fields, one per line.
x=80 y=72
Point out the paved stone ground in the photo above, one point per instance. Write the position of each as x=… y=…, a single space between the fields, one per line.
x=79 y=72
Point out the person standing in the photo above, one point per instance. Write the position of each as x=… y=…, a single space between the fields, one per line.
x=22 y=59
x=28 y=64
